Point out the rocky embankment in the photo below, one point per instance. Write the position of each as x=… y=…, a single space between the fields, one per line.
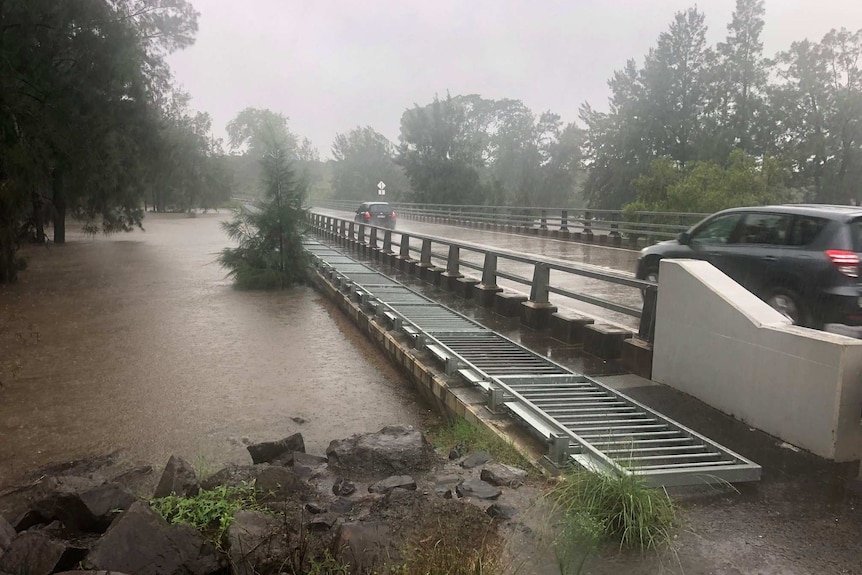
x=367 y=503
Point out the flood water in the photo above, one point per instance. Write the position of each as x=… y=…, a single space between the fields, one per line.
x=137 y=342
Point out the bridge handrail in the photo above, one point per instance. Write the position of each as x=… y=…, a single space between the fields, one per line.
x=540 y=284
x=615 y=222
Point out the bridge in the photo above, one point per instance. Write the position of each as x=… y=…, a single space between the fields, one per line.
x=557 y=286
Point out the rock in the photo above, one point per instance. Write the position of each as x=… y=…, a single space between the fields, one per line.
x=299 y=420
x=342 y=505
x=256 y=543
x=444 y=485
x=35 y=553
x=89 y=573
x=343 y=487
x=80 y=503
x=7 y=534
x=179 y=478
x=478 y=489
x=364 y=546
x=476 y=459
x=307 y=459
x=233 y=476
x=143 y=543
x=314 y=508
x=280 y=483
x=457 y=452
x=393 y=450
x=323 y=522
x=503 y=475
x=138 y=480
x=500 y=511
x=28 y=519
x=393 y=482
x=269 y=451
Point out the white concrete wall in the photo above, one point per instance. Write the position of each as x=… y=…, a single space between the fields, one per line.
x=720 y=343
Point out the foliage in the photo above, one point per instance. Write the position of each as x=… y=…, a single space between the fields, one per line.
x=576 y=541
x=269 y=254
x=446 y=435
x=327 y=565
x=210 y=511
x=361 y=158
x=626 y=510
x=706 y=187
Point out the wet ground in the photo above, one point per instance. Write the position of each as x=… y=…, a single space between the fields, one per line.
x=138 y=342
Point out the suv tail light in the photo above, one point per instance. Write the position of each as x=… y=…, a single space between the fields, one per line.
x=393 y=215
x=367 y=215
x=846 y=262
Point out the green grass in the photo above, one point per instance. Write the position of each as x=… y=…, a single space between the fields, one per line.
x=210 y=512
x=630 y=513
x=445 y=436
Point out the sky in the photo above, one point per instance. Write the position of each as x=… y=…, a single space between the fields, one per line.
x=333 y=65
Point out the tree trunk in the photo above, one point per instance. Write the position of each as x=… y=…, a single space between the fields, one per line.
x=59 y=207
x=38 y=217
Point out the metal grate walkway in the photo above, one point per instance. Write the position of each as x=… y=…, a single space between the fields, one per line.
x=582 y=420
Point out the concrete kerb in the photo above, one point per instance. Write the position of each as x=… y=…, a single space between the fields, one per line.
x=451 y=396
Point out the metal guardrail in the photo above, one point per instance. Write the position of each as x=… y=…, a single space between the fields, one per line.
x=615 y=224
x=581 y=420
x=422 y=250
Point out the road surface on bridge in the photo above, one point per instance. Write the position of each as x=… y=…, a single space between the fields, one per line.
x=566 y=252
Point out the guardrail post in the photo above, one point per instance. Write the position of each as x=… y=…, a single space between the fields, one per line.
x=588 y=226
x=372 y=249
x=449 y=278
x=564 y=221
x=543 y=220
x=386 y=254
x=403 y=258
x=351 y=234
x=537 y=312
x=486 y=290
x=360 y=238
x=425 y=266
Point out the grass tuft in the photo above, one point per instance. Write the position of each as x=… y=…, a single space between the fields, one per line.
x=628 y=511
x=445 y=436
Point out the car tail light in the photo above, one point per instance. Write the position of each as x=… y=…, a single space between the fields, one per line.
x=393 y=215
x=846 y=262
x=367 y=215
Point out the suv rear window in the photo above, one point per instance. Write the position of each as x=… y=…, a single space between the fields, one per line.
x=856 y=232
x=804 y=229
x=379 y=208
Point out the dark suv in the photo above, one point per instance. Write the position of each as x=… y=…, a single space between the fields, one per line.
x=803 y=260
x=375 y=213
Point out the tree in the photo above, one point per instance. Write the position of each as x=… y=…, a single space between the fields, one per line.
x=270 y=253
x=362 y=158
x=256 y=129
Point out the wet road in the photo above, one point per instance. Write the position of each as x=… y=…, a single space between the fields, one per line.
x=563 y=251
x=137 y=342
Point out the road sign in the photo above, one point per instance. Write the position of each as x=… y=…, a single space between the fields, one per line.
x=381 y=188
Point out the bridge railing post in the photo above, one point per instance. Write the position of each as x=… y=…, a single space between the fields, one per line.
x=489 y=270
x=387 y=242
x=588 y=224
x=453 y=261
x=351 y=234
x=425 y=254
x=564 y=221
x=541 y=282
x=543 y=219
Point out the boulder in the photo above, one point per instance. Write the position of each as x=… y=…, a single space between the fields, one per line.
x=233 y=476
x=313 y=508
x=178 y=478
x=257 y=543
x=393 y=450
x=478 y=489
x=503 y=475
x=89 y=573
x=143 y=543
x=7 y=534
x=282 y=450
x=342 y=505
x=457 y=452
x=138 y=480
x=322 y=522
x=393 y=482
x=364 y=546
x=476 y=459
x=444 y=485
x=343 y=487
x=281 y=483
x=79 y=503
x=500 y=511
x=308 y=460
x=35 y=553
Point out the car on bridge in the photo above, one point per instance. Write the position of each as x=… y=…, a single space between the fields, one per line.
x=375 y=213
x=801 y=259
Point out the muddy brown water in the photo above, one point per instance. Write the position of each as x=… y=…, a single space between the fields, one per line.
x=138 y=342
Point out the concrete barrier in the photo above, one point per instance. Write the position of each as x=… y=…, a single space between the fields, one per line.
x=718 y=342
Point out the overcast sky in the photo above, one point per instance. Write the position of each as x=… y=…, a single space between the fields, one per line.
x=333 y=65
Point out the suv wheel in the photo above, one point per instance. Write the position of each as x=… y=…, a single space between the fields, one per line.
x=788 y=303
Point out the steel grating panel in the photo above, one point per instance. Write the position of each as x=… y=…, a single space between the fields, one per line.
x=435 y=318
x=491 y=354
x=607 y=429
x=367 y=279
